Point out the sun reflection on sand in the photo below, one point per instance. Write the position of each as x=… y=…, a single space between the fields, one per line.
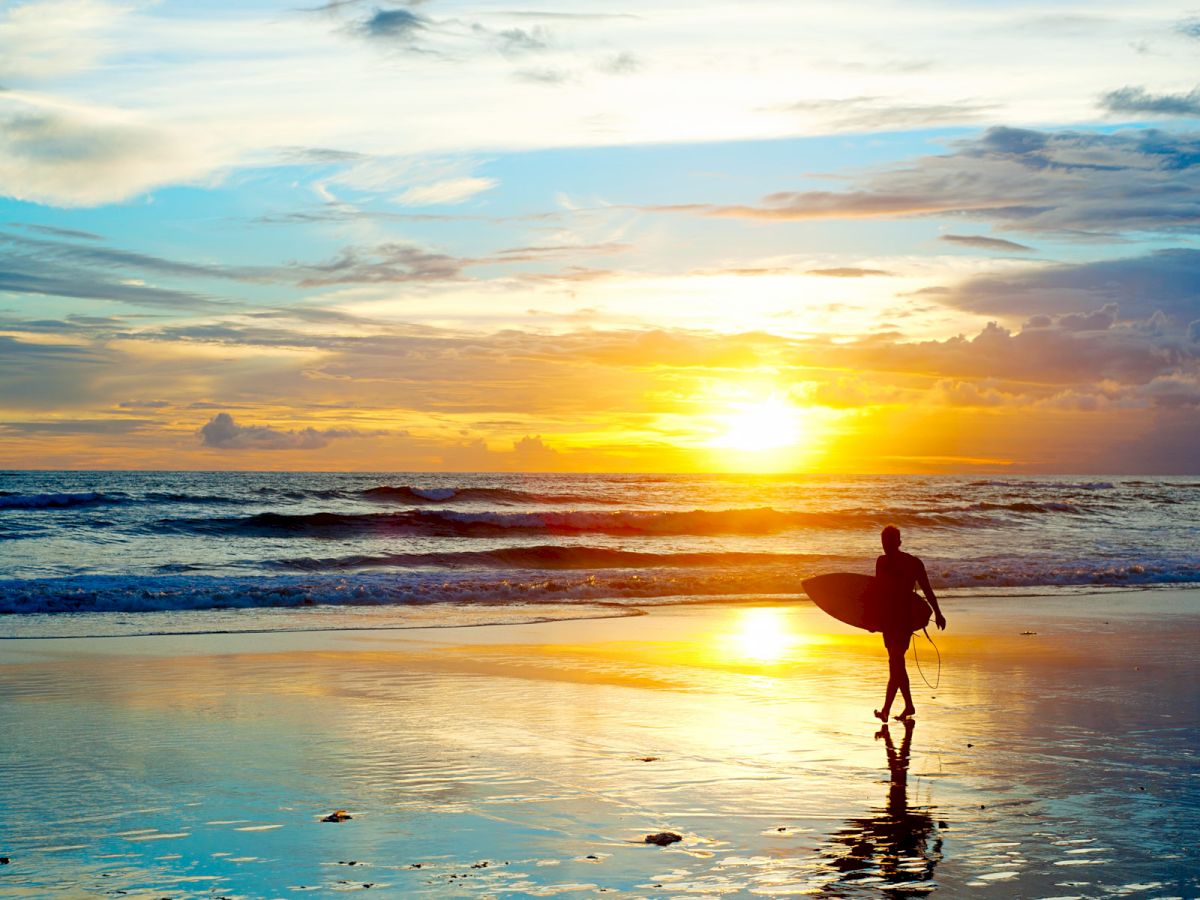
x=762 y=635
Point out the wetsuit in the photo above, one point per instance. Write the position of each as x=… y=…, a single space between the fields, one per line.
x=898 y=574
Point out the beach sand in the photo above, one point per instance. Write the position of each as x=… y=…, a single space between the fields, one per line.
x=532 y=760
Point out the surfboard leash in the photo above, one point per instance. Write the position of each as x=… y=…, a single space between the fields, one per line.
x=932 y=687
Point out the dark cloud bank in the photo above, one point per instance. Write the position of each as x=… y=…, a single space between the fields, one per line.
x=1060 y=183
x=223 y=433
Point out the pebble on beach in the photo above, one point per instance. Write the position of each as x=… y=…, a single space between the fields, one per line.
x=663 y=838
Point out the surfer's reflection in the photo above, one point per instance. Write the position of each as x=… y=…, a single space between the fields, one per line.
x=899 y=845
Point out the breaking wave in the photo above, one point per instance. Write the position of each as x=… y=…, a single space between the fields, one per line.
x=457 y=523
x=115 y=593
x=543 y=556
x=56 y=500
x=417 y=495
x=1051 y=485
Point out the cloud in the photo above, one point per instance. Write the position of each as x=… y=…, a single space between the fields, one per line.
x=544 y=75
x=969 y=393
x=1138 y=101
x=1174 y=391
x=1189 y=27
x=508 y=386
x=78 y=426
x=420 y=180
x=1070 y=351
x=1166 y=280
x=52 y=38
x=72 y=233
x=1097 y=320
x=528 y=454
x=454 y=190
x=571 y=16
x=95 y=271
x=393 y=24
x=515 y=42
x=86 y=158
x=847 y=272
x=986 y=243
x=386 y=263
x=94 y=288
x=57 y=253
x=881 y=113
x=1068 y=183
x=223 y=433
x=624 y=63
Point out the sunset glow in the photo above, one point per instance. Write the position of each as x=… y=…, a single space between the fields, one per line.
x=762 y=425
x=465 y=237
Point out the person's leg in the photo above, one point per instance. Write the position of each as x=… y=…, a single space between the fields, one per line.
x=892 y=685
x=899 y=673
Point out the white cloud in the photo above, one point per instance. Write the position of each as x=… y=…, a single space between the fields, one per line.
x=68 y=156
x=54 y=38
x=454 y=190
x=240 y=83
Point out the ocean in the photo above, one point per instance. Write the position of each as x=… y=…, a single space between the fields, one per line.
x=85 y=553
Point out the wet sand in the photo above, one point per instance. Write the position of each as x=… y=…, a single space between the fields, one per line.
x=531 y=760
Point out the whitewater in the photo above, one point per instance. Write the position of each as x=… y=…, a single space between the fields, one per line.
x=104 y=543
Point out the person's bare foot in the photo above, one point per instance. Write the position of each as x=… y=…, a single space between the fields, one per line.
x=906 y=714
x=881 y=715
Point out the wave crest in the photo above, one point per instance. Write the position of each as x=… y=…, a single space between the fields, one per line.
x=418 y=495
x=461 y=523
x=57 y=500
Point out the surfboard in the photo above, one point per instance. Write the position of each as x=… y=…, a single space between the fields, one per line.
x=844 y=596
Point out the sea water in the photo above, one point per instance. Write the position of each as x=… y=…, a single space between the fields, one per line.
x=98 y=552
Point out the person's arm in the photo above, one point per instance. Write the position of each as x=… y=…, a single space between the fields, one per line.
x=923 y=581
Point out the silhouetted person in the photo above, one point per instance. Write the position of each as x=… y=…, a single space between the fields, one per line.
x=896 y=573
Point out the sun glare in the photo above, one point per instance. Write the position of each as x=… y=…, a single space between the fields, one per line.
x=762 y=635
x=766 y=424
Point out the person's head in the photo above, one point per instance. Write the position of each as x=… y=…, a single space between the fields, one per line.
x=891 y=539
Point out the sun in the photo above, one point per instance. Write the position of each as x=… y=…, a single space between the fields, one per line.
x=767 y=424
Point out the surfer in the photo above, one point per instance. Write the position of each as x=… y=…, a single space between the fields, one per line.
x=896 y=573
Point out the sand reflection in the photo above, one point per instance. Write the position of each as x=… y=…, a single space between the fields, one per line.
x=763 y=635
x=895 y=849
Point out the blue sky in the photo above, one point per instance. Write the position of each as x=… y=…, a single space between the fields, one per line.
x=489 y=235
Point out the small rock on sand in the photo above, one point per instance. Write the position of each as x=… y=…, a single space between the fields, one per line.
x=663 y=838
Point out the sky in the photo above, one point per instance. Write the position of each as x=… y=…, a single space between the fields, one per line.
x=546 y=236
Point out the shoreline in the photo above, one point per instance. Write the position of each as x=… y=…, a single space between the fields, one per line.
x=566 y=611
